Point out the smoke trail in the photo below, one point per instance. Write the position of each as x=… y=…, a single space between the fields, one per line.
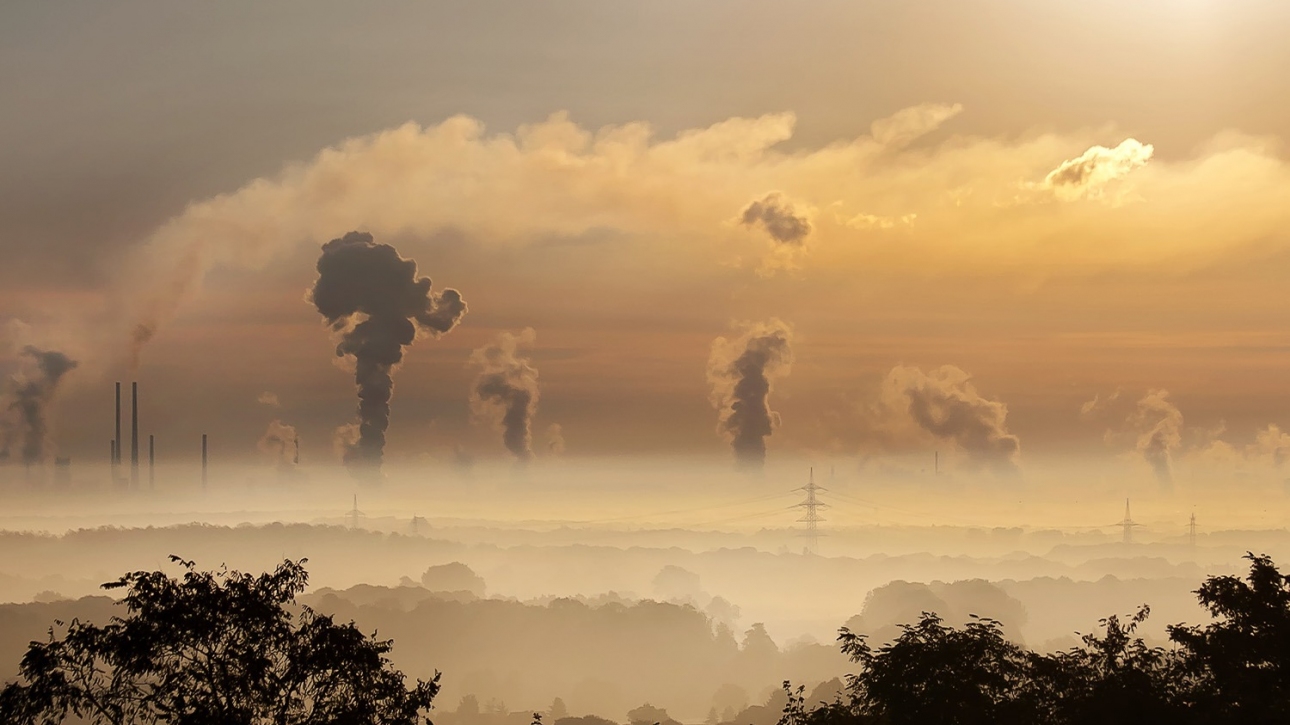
x=373 y=297
x=27 y=423
x=507 y=390
x=281 y=443
x=741 y=372
x=1159 y=424
x=555 y=439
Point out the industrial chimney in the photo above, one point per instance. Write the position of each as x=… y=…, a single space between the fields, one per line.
x=116 y=448
x=134 y=435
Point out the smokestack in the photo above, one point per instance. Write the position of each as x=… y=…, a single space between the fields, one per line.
x=203 y=460
x=152 y=463
x=116 y=448
x=134 y=434
x=112 y=456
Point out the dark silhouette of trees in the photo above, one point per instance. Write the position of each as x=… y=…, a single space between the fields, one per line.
x=1235 y=670
x=213 y=647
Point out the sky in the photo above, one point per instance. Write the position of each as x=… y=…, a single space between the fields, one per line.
x=999 y=229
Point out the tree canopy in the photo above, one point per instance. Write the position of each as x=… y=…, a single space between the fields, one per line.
x=218 y=647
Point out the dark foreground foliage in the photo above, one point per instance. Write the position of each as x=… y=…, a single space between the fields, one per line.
x=1235 y=670
x=213 y=648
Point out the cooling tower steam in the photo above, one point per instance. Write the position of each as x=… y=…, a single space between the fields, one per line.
x=742 y=371
x=375 y=300
x=280 y=443
x=506 y=390
x=26 y=421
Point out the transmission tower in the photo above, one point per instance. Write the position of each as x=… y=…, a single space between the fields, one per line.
x=1191 y=531
x=1127 y=524
x=354 y=513
x=812 y=519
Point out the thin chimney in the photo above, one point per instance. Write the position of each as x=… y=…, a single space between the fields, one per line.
x=116 y=442
x=134 y=434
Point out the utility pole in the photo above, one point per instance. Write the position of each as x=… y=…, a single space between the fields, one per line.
x=812 y=519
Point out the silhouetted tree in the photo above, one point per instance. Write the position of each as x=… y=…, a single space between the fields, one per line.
x=1242 y=660
x=213 y=647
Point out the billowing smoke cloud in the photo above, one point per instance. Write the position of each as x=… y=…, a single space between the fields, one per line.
x=781 y=218
x=25 y=425
x=375 y=299
x=506 y=390
x=269 y=399
x=1159 y=424
x=742 y=371
x=945 y=404
x=1086 y=174
x=555 y=439
x=280 y=443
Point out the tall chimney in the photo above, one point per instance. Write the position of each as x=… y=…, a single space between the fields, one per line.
x=134 y=434
x=116 y=450
x=203 y=460
x=112 y=458
x=152 y=463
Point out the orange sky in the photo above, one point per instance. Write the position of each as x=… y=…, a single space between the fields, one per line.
x=1055 y=202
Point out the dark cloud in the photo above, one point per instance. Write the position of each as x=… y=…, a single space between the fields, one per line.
x=506 y=390
x=25 y=426
x=374 y=298
x=945 y=404
x=779 y=217
x=741 y=371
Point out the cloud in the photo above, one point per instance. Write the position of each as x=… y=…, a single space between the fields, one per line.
x=556 y=179
x=779 y=217
x=742 y=371
x=1271 y=445
x=1087 y=174
x=907 y=125
x=944 y=404
x=506 y=390
x=1159 y=424
x=269 y=399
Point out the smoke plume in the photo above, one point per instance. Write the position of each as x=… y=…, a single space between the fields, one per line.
x=781 y=219
x=280 y=443
x=742 y=371
x=26 y=423
x=555 y=439
x=1159 y=424
x=375 y=299
x=947 y=405
x=506 y=390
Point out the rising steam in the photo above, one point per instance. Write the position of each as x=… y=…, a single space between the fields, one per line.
x=281 y=444
x=25 y=425
x=375 y=299
x=506 y=390
x=741 y=371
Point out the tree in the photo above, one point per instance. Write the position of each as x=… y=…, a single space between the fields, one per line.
x=208 y=648
x=1242 y=659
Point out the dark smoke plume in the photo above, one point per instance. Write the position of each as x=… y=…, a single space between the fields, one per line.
x=947 y=405
x=27 y=424
x=507 y=390
x=781 y=220
x=375 y=299
x=741 y=372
